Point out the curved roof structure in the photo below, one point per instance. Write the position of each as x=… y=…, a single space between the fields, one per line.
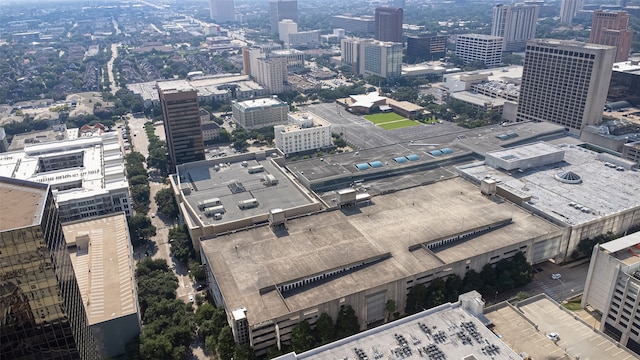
x=568 y=177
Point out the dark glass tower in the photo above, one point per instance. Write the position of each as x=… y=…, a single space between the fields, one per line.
x=41 y=311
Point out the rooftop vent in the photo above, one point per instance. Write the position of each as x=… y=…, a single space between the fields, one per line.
x=568 y=177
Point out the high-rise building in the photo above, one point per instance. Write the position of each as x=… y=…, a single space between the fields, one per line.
x=280 y=10
x=380 y=58
x=426 y=47
x=612 y=28
x=222 y=11
x=389 y=24
x=286 y=27
x=479 y=48
x=42 y=313
x=355 y=25
x=272 y=74
x=565 y=82
x=568 y=10
x=516 y=24
x=181 y=113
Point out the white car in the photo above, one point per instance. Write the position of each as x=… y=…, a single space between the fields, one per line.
x=556 y=276
x=190 y=298
x=553 y=336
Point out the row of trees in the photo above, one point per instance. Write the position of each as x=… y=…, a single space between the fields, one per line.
x=140 y=227
x=324 y=331
x=182 y=249
x=506 y=275
x=169 y=323
x=217 y=335
x=461 y=113
x=157 y=151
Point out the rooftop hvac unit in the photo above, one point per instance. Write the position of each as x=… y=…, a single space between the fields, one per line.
x=488 y=187
x=276 y=217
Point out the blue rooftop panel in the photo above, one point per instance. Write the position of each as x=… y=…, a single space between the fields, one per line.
x=362 y=166
x=375 y=164
x=446 y=151
x=400 y=160
x=413 y=157
x=435 y=152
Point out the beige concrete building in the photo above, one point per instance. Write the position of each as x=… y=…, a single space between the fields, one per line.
x=305 y=131
x=269 y=278
x=260 y=113
x=102 y=258
x=562 y=82
x=613 y=287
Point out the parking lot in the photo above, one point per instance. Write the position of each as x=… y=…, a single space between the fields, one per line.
x=363 y=134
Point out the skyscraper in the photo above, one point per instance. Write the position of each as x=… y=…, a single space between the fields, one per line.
x=181 y=113
x=383 y=59
x=41 y=311
x=280 y=10
x=425 y=47
x=479 y=48
x=565 y=82
x=612 y=28
x=389 y=24
x=516 y=24
x=222 y=11
x=568 y=10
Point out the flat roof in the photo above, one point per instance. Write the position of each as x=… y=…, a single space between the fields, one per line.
x=246 y=261
x=174 y=86
x=523 y=152
x=231 y=182
x=631 y=66
x=101 y=155
x=577 y=338
x=259 y=103
x=451 y=319
x=104 y=270
x=22 y=203
x=603 y=190
x=624 y=248
x=477 y=99
x=481 y=36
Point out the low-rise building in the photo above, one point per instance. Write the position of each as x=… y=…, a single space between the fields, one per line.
x=305 y=131
x=210 y=130
x=87 y=174
x=102 y=259
x=260 y=113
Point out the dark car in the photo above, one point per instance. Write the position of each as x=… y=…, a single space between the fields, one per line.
x=201 y=287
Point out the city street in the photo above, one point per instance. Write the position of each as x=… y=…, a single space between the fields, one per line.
x=161 y=248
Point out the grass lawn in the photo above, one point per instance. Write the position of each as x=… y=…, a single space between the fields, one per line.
x=398 y=124
x=383 y=117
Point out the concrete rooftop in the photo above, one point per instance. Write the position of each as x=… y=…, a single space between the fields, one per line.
x=603 y=190
x=447 y=318
x=207 y=183
x=22 y=205
x=104 y=270
x=577 y=338
x=246 y=261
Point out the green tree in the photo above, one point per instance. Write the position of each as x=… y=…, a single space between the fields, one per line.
x=166 y=203
x=325 y=331
x=415 y=299
x=140 y=229
x=390 y=308
x=347 y=323
x=226 y=345
x=155 y=347
x=302 y=338
x=244 y=352
x=139 y=180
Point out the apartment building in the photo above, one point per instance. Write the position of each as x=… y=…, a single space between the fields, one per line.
x=515 y=24
x=305 y=131
x=486 y=49
x=260 y=113
x=612 y=28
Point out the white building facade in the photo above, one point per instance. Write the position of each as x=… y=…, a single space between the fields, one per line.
x=304 y=132
x=87 y=175
x=613 y=289
x=477 y=47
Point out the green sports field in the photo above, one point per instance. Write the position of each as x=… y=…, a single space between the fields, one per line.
x=390 y=121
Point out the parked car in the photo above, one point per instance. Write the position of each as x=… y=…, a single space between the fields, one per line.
x=553 y=336
x=191 y=298
x=556 y=276
x=201 y=287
